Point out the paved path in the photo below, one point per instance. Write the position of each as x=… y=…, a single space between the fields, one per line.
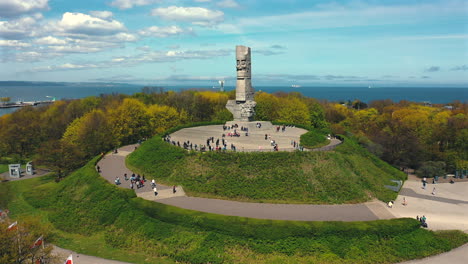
x=113 y=165
x=447 y=209
x=83 y=259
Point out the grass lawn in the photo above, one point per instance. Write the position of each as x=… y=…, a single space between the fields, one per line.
x=86 y=214
x=3 y=168
x=349 y=174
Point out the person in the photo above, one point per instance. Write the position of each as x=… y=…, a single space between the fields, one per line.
x=173 y=189
x=98 y=169
x=153 y=183
x=404 y=201
x=155 y=190
x=125 y=176
x=117 y=181
x=390 y=204
x=452 y=181
x=433 y=191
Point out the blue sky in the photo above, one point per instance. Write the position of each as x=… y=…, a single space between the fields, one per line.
x=192 y=42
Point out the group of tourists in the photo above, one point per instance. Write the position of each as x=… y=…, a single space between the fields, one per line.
x=135 y=180
x=283 y=128
x=422 y=219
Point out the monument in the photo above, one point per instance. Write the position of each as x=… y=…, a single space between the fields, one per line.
x=14 y=170
x=243 y=108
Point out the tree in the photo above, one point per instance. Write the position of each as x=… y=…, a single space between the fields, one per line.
x=267 y=106
x=23 y=243
x=163 y=117
x=60 y=156
x=91 y=133
x=129 y=121
x=294 y=111
x=431 y=168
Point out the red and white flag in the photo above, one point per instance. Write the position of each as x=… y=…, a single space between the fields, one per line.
x=38 y=242
x=69 y=260
x=13 y=226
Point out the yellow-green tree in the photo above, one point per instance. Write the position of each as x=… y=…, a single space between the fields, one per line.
x=91 y=133
x=293 y=110
x=267 y=106
x=129 y=121
x=163 y=117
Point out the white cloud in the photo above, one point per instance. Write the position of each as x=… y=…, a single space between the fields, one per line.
x=19 y=28
x=79 y=23
x=13 y=43
x=196 y=15
x=228 y=4
x=202 y=1
x=13 y=8
x=102 y=14
x=49 y=40
x=64 y=67
x=163 y=32
x=126 y=4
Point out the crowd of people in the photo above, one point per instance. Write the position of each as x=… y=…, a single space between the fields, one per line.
x=211 y=144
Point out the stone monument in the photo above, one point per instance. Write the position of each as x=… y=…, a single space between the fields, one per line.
x=29 y=168
x=243 y=108
x=14 y=170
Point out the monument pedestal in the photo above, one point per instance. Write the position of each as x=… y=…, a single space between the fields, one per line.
x=241 y=111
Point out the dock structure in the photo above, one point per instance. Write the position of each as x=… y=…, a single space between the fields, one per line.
x=23 y=104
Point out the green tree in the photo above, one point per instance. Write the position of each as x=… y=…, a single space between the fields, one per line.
x=17 y=246
x=431 y=168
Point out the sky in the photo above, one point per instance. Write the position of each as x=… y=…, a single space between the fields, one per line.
x=192 y=42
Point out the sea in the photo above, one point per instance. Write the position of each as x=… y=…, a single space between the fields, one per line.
x=42 y=92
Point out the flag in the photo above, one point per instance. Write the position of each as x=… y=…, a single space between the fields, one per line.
x=69 y=260
x=13 y=226
x=38 y=242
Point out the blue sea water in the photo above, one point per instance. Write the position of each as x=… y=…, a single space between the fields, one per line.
x=74 y=91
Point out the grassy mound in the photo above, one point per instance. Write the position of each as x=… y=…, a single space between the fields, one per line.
x=314 y=139
x=349 y=174
x=89 y=215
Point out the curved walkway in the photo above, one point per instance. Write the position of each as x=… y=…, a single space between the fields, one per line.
x=113 y=165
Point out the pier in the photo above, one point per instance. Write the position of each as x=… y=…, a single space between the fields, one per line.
x=23 y=104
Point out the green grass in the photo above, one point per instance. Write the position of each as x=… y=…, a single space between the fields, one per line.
x=314 y=139
x=3 y=168
x=349 y=174
x=91 y=216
